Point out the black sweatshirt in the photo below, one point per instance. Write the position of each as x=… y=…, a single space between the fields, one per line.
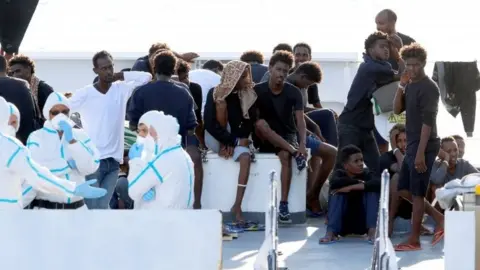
x=241 y=128
x=17 y=92
x=340 y=179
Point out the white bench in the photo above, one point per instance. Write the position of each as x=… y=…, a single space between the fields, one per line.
x=220 y=182
x=101 y=240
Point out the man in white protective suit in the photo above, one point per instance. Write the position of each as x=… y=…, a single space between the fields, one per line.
x=17 y=165
x=67 y=152
x=12 y=129
x=161 y=172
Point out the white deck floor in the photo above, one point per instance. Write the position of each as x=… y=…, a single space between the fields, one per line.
x=300 y=248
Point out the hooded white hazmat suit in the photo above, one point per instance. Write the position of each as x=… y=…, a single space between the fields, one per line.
x=169 y=172
x=55 y=153
x=18 y=165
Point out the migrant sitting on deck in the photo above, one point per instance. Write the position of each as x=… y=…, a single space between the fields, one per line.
x=354 y=200
x=161 y=172
x=67 y=152
x=20 y=166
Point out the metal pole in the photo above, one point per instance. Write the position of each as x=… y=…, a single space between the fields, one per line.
x=272 y=229
x=477 y=227
x=381 y=259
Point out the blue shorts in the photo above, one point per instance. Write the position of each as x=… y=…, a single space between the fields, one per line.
x=313 y=143
x=190 y=140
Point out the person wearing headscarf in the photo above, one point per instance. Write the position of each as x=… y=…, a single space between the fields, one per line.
x=161 y=172
x=229 y=122
x=66 y=152
x=19 y=166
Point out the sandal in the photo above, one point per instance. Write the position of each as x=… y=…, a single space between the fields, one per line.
x=246 y=225
x=326 y=240
x=438 y=236
x=407 y=247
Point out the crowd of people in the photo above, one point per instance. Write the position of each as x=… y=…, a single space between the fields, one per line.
x=233 y=109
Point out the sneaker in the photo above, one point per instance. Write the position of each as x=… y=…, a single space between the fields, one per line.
x=301 y=161
x=283 y=213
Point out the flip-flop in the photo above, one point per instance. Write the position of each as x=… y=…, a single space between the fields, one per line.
x=312 y=214
x=437 y=237
x=331 y=241
x=407 y=247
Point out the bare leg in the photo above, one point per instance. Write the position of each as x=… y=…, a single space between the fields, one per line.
x=328 y=154
x=314 y=165
x=286 y=174
x=244 y=161
x=429 y=210
x=393 y=202
x=196 y=157
x=417 y=218
x=263 y=130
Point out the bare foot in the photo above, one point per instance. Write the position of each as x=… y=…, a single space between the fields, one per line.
x=197 y=205
x=329 y=238
x=237 y=211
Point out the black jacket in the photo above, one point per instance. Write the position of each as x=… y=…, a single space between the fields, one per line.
x=240 y=128
x=17 y=92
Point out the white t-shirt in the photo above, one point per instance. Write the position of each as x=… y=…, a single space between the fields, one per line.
x=103 y=115
x=207 y=79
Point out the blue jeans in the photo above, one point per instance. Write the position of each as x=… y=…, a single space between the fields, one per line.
x=325 y=119
x=121 y=193
x=337 y=206
x=106 y=175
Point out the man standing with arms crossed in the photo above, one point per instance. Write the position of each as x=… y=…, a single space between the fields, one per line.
x=419 y=99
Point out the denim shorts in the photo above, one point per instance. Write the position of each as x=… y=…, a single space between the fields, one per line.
x=190 y=140
x=313 y=143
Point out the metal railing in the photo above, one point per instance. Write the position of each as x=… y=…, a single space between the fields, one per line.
x=267 y=257
x=383 y=253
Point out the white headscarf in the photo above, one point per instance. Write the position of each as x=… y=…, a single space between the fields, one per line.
x=167 y=128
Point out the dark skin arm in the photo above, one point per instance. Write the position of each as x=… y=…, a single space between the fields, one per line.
x=302 y=131
x=399 y=100
x=314 y=127
x=420 y=165
x=222 y=117
x=359 y=186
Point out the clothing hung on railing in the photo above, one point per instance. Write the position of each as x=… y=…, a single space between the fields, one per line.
x=458 y=82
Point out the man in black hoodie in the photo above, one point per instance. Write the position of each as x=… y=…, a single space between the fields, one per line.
x=16 y=91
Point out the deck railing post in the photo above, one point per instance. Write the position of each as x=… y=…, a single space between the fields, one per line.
x=271 y=219
x=384 y=257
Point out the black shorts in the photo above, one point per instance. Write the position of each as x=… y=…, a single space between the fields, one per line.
x=413 y=181
x=266 y=147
